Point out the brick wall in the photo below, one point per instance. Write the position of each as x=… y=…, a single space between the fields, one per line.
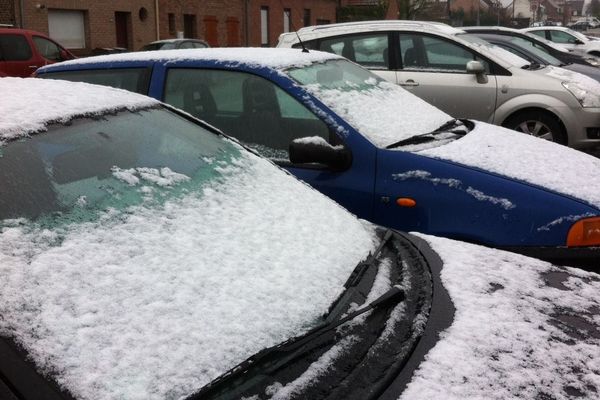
x=7 y=12
x=220 y=22
x=321 y=11
x=100 y=22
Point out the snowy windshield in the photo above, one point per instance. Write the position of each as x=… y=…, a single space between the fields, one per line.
x=142 y=256
x=382 y=111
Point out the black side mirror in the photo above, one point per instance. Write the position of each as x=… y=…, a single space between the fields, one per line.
x=315 y=149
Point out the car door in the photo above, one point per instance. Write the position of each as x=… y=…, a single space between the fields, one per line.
x=434 y=68
x=261 y=115
x=16 y=55
x=48 y=52
x=371 y=50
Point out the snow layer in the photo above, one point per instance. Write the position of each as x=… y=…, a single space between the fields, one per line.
x=153 y=302
x=399 y=114
x=527 y=158
x=29 y=105
x=584 y=88
x=255 y=56
x=504 y=342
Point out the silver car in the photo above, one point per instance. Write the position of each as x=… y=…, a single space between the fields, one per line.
x=467 y=77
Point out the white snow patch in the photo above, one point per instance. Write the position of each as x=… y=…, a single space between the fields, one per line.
x=399 y=114
x=154 y=301
x=584 y=88
x=29 y=105
x=526 y=158
x=567 y=218
x=503 y=343
x=504 y=203
x=253 y=56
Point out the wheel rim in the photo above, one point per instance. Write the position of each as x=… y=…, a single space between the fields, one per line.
x=535 y=128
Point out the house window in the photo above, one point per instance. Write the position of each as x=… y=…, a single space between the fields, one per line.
x=67 y=27
x=264 y=26
x=189 y=25
x=306 y=18
x=287 y=17
x=172 y=27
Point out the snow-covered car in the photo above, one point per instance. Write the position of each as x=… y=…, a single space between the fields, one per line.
x=145 y=256
x=381 y=152
x=465 y=76
x=171 y=44
x=572 y=40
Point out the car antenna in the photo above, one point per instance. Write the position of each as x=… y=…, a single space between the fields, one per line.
x=287 y=12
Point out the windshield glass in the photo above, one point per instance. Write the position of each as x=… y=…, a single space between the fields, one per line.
x=382 y=111
x=136 y=251
x=529 y=46
x=502 y=54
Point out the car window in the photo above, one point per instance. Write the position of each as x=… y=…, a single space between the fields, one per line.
x=186 y=45
x=132 y=79
x=48 y=49
x=422 y=52
x=368 y=50
x=247 y=107
x=14 y=48
x=198 y=45
x=562 y=37
x=540 y=33
x=535 y=49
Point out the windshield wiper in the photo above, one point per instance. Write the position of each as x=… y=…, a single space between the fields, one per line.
x=429 y=136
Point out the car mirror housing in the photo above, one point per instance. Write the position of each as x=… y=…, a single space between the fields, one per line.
x=477 y=68
x=316 y=150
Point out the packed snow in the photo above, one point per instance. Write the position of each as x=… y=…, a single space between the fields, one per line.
x=254 y=56
x=527 y=158
x=399 y=114
x=506 y=340
x=41 y=102
x=584 y=88
x=153 y=302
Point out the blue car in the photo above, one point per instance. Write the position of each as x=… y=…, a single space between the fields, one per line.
x=384 y=154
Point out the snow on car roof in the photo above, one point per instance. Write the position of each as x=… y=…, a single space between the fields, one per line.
x=254 y=56
x=29 y=105
x=156 y=301
x=508 y=339
x=527 y=158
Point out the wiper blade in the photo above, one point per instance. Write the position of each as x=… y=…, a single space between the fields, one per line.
x=429 y=136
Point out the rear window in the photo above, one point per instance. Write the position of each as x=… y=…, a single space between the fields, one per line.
x=132 y=79
x=14 y=48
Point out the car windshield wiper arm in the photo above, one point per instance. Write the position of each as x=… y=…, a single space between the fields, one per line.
x=426 y=137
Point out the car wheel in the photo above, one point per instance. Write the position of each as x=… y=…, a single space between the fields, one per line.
x=539 y=124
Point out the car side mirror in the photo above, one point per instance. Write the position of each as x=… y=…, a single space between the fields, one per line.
x=477 y=68
x=315 y=149
x=64 y=55
x=577 y=41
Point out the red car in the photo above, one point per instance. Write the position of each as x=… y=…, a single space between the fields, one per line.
x=23 y=51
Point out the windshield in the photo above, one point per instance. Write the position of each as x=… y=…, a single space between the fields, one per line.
x=496 y=51
x=537 y=51
x=136 y=251
x=382 y=111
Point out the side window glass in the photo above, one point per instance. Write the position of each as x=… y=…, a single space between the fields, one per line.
x=14 y=48
x=431 y=53
x=541 y=34
x=186 y=45
x=49 y=50
x=335 y=46
x=132 y=79
x=562 y=37
x=247 y=107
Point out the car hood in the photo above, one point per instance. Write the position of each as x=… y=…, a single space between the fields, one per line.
x=526 y=158
x=522 y=328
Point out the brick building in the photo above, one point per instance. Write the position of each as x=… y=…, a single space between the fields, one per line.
x=85 y=25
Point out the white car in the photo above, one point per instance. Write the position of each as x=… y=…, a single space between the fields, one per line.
x=572 y=40
x=467 y=77
x=143 y=255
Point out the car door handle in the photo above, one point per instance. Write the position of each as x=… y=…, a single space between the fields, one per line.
x=409 y=82
x=33 y=66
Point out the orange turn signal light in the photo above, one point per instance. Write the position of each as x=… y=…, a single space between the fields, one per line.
x=405 y=202
x=585 y=232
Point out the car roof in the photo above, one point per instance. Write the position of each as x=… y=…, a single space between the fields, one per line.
x=19 y=30
x=175 y=40
x=490 y=28
x=37 y=103
x=253 y=57
x=359 y=26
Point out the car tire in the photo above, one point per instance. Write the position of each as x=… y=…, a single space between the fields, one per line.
x=537 y=123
